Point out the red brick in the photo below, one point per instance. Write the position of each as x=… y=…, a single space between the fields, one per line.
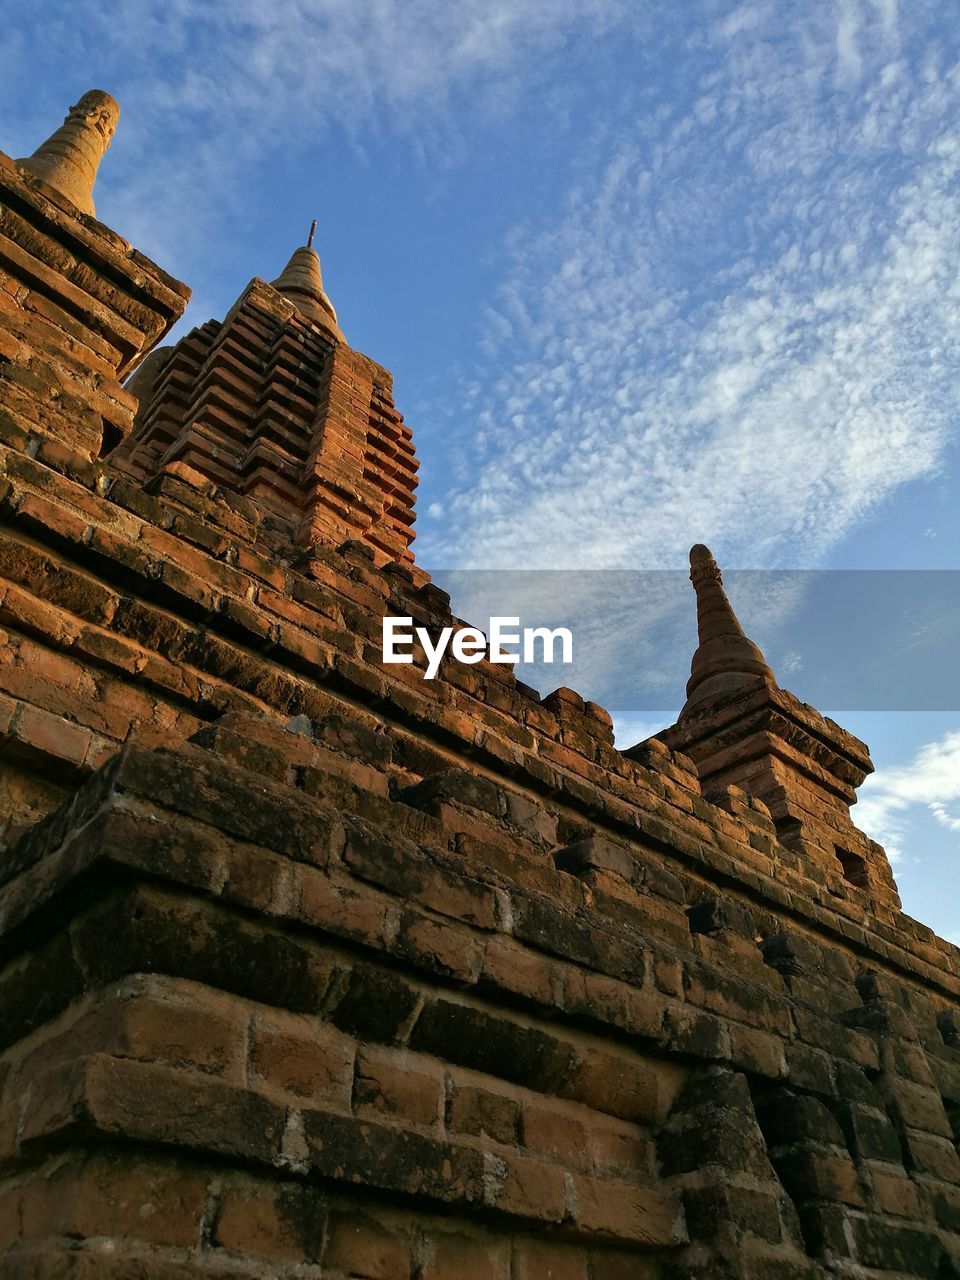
x=386 y=1083
x=620 y=1148
x=552 y=1132
x=538 y=1260
x=620 y=1085
x=623 y=1211
x=463 y=1257
x=310 y=1062
x=52 y=735
x=483 y=1113
x=367 y=917
x=122 y=1197
x=151 y=1019
x=283 y=1222
x=527 y=1188
x=53 y=517
x=518 y=969
x=25 y=611
x=445 y=948
x=360 y=1245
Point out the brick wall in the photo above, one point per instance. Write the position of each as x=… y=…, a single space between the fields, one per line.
x=310 y=968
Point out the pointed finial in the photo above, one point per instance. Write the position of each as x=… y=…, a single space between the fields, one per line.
x=69 y=159
x=725 y=659
x=302 y=283
x=313 y=227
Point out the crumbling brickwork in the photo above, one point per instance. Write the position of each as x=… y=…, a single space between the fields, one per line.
x=311 y=968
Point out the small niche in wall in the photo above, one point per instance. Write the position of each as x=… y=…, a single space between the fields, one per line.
x=788 y=830
x=854 y=867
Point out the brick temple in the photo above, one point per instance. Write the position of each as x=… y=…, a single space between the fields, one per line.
x=314 y=969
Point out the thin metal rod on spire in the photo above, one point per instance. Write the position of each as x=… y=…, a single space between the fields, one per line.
x=313 y=227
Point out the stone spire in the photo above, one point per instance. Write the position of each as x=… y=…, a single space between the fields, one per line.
x=725 y=659
x=69 y=159
x=302 y=283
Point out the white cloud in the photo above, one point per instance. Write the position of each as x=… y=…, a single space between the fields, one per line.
x=849 y=62
x=629 y=729
x=742 y=327
x=208 y=90
x=890 y=799
x=887 y=9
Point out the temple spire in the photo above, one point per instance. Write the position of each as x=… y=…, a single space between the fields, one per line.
x=69 y=159
x=725 y=659
x=302 y=283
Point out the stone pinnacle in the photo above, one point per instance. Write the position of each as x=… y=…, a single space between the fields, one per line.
x=725 y=659
x=69 y=159
x=302 y=283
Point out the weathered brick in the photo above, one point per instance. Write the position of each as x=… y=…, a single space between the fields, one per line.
x=399 y=866
x=715 y=914
x=152 y=930
x=554 y=1133
x=283 y=1222
x=360 y=1245
x=473 y=1110
x=110 y=1194
x=196 y=785
x=817 y=1175
x=51 y=735
x=152 y=1019
x=154 y=1104
x=394 y=1085
x=789 y=1118
x=625 y=1211
x=869 y=1133
x=615 y=1083
x=471 y=1037
x=935 y=1156
x=364 y=1151
x=36 y=986
x=440 y=946
x=542 y=1260
x=523 y=1187
x=302 y=1059
x=716 y=1210
x=878 y=1244
x=376 y=1004
x=595 y=853
x=445 y=1256
x=587 y=940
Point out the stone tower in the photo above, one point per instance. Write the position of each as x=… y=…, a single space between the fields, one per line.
x=273 y=405
x=741 y=729
x=313 y=969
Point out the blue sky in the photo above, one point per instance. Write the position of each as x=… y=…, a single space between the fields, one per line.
x=646 y=273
